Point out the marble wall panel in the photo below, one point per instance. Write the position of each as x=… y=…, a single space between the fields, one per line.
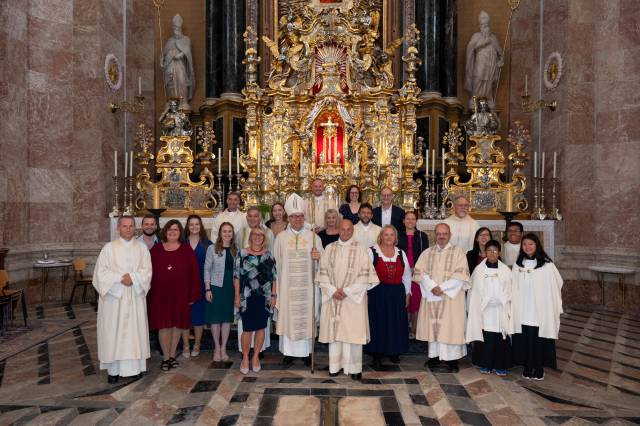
x=58 y=11
x=16 y=219
x=85 y=12
x=3 y=185
x=50 y=223
x=581 y=129
x=16 y=62
x=631 y=64
x=50 y=185
x=17 y=186
x=629 y=28
x=14 y=21
x=50 y=130
x=49 y=34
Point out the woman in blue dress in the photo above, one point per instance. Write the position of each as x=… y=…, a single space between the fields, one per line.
x=196 y=236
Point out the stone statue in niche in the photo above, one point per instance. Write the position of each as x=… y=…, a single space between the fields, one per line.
x=484 y=59
x=177 y=66
x=483 y=121
x=173 y=121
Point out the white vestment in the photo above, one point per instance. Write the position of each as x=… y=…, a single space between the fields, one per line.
x=366 y=235
x=537 y=298
x=489 y=302
x=237 y=218
x=292 y=252
x=510 y=253
x=315 y=209
x=463 y=231
x=122 y=327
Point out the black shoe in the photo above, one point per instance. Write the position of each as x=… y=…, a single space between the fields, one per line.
x=432 y=363
x=538 y=374
x=356 y=376
x=453 y=366
x=287 y=360
x=394 y=359
x=113 y=379
x=307 y=361
x=527 y=373
x=334 y=374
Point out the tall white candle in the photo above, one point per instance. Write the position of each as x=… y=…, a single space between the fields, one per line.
x=238 y=160
x=443 y=171
x=542 y=167
x=219 y=161
x=426 y=163
x=139 y=86
x=126 y=157
x=535 y=164
x=131 y=164
x=555 y=158
x=230 y=170
x=115 y=163
x=433 y=162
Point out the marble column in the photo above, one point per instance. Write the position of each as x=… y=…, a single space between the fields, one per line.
x=429 y=19
x=448 y=70
x=233 y=19
x=213 y=79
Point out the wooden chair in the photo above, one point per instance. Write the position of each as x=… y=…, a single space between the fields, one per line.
x=79 y=279
x=9 y=301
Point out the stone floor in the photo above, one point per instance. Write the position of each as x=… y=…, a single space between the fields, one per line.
x=50 y=376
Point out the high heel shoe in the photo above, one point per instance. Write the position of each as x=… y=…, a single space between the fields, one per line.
x=257 y=369
x=244 y=370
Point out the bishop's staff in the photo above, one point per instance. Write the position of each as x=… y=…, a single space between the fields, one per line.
x=313 y=298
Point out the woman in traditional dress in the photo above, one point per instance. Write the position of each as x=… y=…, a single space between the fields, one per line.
x=413 y=242
x=255 y=295
x=535 y=309
x=388 y=301
x=350 y=209
x=476 y=255
x=489 y=322
x=331 y=233
x=175 y=286
x=196 y=236
x=277 y=219
x=220 y=269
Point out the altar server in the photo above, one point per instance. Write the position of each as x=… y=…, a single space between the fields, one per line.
x=512 y=246
x=122 y=278
x=536 y=307
x=366 y=232
x=443 y=276
x=489 y=321
x=318 y=204
x=346 y=274
x=463 y=227
x=231 y=214
x=295 y=250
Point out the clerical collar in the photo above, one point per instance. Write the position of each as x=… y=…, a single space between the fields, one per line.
x=232 y=211
x=319 y=197
x=443 y=248
x=294 y=231
x=127 y=242
x=527 y=257
x=491 y=264
x=344 y=243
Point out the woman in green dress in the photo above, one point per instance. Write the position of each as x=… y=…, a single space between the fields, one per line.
x=220 y=270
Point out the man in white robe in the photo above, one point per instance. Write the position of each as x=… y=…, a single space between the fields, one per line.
x=317 y=205
x=122 y=278
x=443 y=274
x=346 y=274
x=295 y=251
x=231 y=214
x=463 y=226
x=365 y=231
x=512 y=246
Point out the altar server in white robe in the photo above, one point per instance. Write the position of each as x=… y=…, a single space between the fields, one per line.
x=536 y=307
x=512 y=246
x=122 y=278
x=295 y=251
x=317 y=205
x=254 y=220
x=231 y=214
x=443 y=274
x=365 y=231
x=346 y=274
x=463 y=226
x=489 y=322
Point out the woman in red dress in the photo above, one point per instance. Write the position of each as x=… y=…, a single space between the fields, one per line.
x=175 y=286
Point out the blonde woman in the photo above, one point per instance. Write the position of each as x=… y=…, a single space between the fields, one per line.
x=331 y=233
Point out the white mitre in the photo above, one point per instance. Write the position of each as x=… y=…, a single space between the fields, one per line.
x=295 y=204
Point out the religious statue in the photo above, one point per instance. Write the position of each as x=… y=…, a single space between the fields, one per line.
x=483 y=121
x=175 y=122
x=483 y=62
x=177 y=66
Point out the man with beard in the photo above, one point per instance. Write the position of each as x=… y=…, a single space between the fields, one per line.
x=149 y=231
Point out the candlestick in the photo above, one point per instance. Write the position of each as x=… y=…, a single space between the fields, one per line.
x=555 y=158
x=443 y=171
x=139 y=86
x=115 y=209
x=230 y=171
x=426 y=163
x=131 y=164
x=542 y=167
x=433 y=162
x=219 y=161
x=115 y=163
x=535 y=164
x=238 y=160
x=126 y=157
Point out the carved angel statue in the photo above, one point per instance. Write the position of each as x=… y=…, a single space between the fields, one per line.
x=279 y=64
x=483 y=121
x=383 y=69
x=174 y=122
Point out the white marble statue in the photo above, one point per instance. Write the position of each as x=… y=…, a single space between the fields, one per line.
x=177 y=66
x=484 y=59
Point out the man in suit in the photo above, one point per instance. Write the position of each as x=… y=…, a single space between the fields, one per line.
x=387 y=213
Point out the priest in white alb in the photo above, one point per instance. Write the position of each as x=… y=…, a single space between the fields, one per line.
x=346 y=274
x=122 y=278
x=317 y=205
x=443 y=274
x=365 y=231
x=295 y=250
x=231 y=214
x=463 y=226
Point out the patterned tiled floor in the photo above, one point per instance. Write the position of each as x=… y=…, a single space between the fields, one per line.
x=55 y=381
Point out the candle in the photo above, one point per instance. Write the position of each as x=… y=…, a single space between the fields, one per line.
x=115 y=163
x=526 y=84
x=238 y=160
x=535 y=164
x=555 y=158
x=139 y=86
x=126 y=157
x=155 y=201
x=230 y=170
x=219 y=160
x=426 y=163
x=542 y=167
x=443 y=171
x=131 y=165
x=433 y=162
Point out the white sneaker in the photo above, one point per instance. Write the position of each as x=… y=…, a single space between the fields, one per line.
x=195 y=352
x=186 y=354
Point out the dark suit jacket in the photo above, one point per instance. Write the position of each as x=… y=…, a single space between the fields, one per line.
x=397 y=216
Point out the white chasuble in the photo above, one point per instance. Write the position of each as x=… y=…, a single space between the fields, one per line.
x=122 y=327
x=367 y=236
x=489 y=302
x=315 y=209
x=292 y=252
x=442 y=318
x=537 y=298
x=463 y=231
x=237 y=218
